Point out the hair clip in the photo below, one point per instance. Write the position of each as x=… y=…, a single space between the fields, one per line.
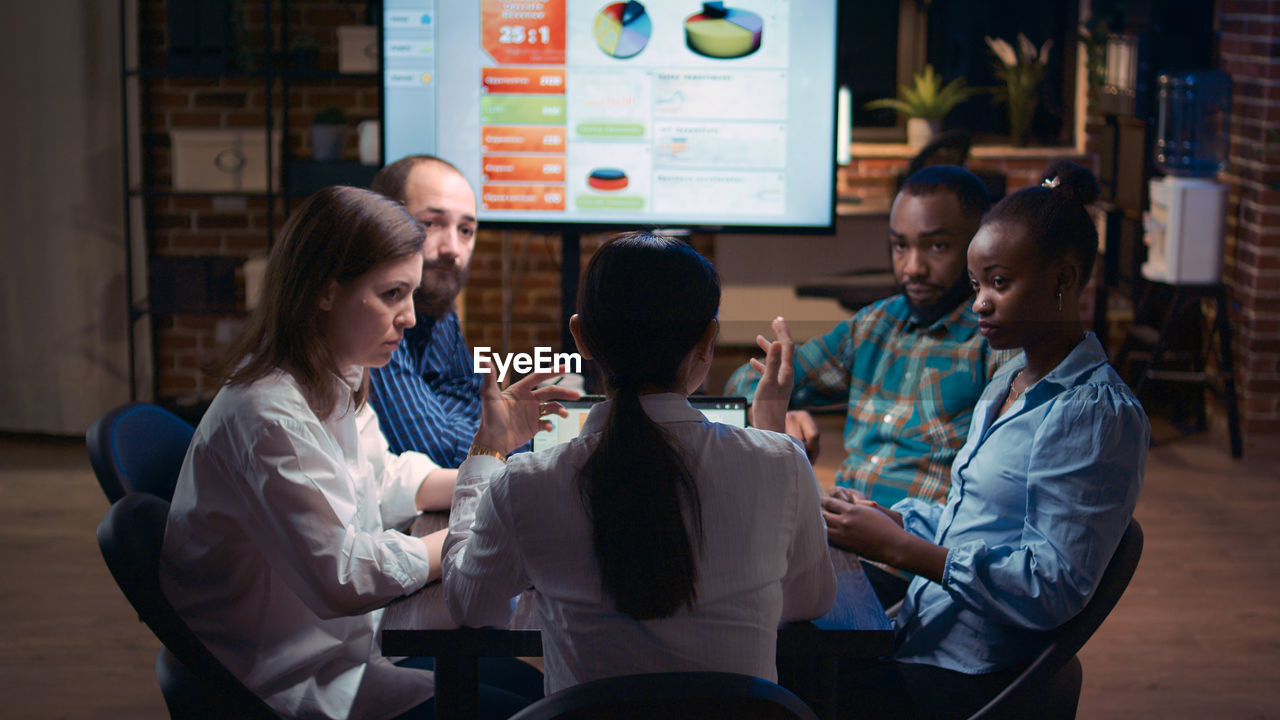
x=1050 y=183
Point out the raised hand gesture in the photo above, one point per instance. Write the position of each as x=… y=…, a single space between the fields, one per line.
x=773 y=394
x=510 y=418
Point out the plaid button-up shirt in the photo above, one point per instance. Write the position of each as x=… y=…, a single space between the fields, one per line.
x=910 y=390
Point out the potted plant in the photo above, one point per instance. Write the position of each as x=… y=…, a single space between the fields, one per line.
x=328 y=133
x=1020 y=72
x=925 y=103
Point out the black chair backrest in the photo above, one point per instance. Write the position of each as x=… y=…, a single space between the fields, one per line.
x=1023 y=693
x=138 y=447
x=671 y=695
x=952 y=148
x=946 y=148
x=130 y=536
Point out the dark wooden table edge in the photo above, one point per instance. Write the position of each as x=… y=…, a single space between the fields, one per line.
x=477 y=642
x=799 y=639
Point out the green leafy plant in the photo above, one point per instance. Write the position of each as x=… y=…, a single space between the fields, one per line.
x=330 y=116
x=1020 y=73
x=927 y=98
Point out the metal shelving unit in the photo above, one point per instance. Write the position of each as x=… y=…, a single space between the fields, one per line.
x=143 y=65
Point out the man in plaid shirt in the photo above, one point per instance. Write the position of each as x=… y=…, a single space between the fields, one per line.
x=910 y=367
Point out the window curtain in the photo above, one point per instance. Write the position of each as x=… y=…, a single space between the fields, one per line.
x=63 y=319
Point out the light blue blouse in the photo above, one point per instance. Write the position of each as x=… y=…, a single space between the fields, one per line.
x=1039 y=500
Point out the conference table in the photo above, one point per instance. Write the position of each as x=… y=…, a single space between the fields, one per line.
x=809 y=653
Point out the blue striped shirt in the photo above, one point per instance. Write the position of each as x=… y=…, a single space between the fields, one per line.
x=427 y=398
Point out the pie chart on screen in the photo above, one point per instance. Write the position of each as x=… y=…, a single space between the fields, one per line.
x=622 y=29
x=723 y=32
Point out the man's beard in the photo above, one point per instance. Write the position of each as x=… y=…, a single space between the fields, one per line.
x=434 y=299
x=929 y=314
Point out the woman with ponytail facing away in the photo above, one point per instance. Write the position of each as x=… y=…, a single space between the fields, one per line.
x=656 y=540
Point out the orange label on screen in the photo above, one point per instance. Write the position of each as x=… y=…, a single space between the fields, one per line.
x=522 y=197
x=523 y=168
x=502 y=138
x=523 y=80
x=524 y=32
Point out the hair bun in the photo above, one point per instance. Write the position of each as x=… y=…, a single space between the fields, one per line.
x=1073 y=181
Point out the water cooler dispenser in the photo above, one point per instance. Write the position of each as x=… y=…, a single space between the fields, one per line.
x=1185 y=223
x=1184 y=228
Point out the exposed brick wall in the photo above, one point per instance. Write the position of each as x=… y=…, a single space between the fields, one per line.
x=876 y=178
x=187 y=342
x=1250 y=51
x=868 y=178
x=534 y=285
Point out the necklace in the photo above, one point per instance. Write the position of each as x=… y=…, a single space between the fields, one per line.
x=1014 y=394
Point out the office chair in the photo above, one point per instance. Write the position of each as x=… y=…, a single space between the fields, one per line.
x=946 y=148
x=138 y=447
x=1050 y=686
x=671 y=695
x=194 y=683
x=952 y=148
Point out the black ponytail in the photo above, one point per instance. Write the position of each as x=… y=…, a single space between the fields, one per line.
x=644 y=303
x=1055 y=215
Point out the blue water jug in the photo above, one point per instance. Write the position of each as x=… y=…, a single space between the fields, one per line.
x=1194 y=129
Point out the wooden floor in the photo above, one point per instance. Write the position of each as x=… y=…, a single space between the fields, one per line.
x=1197 y=634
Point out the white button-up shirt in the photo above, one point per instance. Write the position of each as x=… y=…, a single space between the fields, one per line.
x=763 y=559
x=277 y=552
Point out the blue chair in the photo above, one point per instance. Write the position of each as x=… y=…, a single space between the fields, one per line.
x=671 y=695
x=138 y=447
x=1050 y=686
x=195 y=684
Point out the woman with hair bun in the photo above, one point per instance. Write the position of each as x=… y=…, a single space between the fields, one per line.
x=1041 y=492
x=656 y=540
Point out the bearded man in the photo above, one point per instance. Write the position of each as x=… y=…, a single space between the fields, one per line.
x=910 y=367
x=428 y=398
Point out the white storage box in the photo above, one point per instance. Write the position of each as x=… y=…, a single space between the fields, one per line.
x=1184 y=231
x=223 y=160
x=358 y=49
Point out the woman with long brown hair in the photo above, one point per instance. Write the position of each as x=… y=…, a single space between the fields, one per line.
x=280 y=550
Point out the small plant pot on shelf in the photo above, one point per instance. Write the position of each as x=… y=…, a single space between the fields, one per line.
x=327 y=142
x=920 y=131
x=328 y=135
x=924 y=103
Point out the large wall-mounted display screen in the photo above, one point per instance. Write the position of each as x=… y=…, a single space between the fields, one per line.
x=663 y=113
